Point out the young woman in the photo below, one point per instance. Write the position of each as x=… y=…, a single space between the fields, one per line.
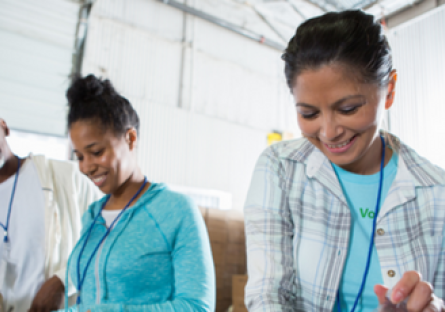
x=334 y=216
x=142 y=247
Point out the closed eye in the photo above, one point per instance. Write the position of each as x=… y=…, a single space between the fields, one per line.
x=98 y=153
x=309 y=115
x=350 y=110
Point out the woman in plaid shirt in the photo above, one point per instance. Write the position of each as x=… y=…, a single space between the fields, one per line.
x=334 y=216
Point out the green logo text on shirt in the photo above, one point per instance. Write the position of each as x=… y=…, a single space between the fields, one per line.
x=367 y=213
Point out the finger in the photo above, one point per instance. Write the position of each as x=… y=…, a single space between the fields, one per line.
x=381 y=291
x=436 y=305
x=421 y=297
x=405 y=286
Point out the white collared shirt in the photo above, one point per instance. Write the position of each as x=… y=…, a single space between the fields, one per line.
x=298 y=227
x=24 y=253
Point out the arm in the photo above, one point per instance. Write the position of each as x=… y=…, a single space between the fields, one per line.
x=269 y=233
x=194 y=288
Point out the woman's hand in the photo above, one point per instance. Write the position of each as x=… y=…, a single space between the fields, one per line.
x=420 y=294
x=49 y=297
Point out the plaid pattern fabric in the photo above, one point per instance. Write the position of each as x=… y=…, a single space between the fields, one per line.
x=297 y=227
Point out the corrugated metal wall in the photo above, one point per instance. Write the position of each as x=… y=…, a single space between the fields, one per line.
x=418 y=114
x=206 y=97
x=37 y=40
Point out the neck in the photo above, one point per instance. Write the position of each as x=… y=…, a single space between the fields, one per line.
x=371 y=161
x=9 y=167
x=126 y=191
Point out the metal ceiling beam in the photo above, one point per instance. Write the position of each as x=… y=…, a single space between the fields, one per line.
x=365 y=4
x=268 y=23
x=296 y=9
x=402 y=9
x=321 y=7
x=225 y=24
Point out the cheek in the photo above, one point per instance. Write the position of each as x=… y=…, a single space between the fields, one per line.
x=308 y=127
x=363 y=120
x=107 y=159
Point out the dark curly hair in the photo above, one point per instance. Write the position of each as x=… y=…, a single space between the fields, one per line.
x=350 y=38
x=91 y=98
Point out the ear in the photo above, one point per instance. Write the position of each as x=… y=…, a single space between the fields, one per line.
x=391 y=89
x=131 y=137
x=4 y=127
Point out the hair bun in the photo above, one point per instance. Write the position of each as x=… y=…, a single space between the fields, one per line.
x=87 y=88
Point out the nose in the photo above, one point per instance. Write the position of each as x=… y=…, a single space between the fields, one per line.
x=87 y=166
x=330 y=129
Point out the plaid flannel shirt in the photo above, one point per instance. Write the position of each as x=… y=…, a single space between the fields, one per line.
x=298 y=223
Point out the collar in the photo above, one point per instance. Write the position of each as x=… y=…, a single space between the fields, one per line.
x=413 y=170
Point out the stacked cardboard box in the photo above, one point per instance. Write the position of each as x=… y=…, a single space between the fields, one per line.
x=239 y=283
x=226 y=233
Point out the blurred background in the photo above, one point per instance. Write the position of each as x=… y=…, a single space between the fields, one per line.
x=205 y=77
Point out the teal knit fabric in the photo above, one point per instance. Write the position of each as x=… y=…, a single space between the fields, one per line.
x=156 y=258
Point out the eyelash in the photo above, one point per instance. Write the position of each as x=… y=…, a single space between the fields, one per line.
x=309 y=116
x=347 y=111
x=98 y=153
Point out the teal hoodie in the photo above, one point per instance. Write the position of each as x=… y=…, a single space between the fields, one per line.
x=156 y=258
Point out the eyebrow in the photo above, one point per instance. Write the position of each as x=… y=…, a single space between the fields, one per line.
x=336 y=103
x=86 y=147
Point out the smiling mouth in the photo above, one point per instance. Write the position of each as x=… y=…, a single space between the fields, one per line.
x=98 y=181
x=340 y=145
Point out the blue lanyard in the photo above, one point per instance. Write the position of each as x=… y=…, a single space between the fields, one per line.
x=79 y=280
x=5 y=227
x=371 y=244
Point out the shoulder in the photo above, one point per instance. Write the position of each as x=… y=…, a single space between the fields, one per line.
x=287 y=155
x=423 y=171
x=169 y=202
x=297 y=150
x=58 y=169
x=171 y=210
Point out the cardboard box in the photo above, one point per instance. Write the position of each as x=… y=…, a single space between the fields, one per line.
x=227 y=240
x=238 y=284
x=217 y=235
x=217 y=219
x=236 y=227
x=203 y=213
x=239 y=309
x=223 y=305
x=219 y=253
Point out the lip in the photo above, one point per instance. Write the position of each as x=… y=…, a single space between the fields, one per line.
x=99 y=180
x=339 y=150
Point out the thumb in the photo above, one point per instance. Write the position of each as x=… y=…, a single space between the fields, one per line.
x=380 y=291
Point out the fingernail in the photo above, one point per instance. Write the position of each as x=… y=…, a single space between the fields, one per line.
x=397 y=296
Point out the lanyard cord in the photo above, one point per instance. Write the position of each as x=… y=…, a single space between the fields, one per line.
x=5 y=227
x=371 y=244
x=79 y=280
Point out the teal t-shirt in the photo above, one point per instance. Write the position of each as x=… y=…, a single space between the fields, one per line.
x=361 y=193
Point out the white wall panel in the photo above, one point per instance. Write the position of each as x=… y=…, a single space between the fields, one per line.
x=234 y=93
x=418 y=113
x=142 y=66
x=238 y=14
x=224 y=44
x=205 y=105
x=150 y=15
x=189 y=149
x=35 y=61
